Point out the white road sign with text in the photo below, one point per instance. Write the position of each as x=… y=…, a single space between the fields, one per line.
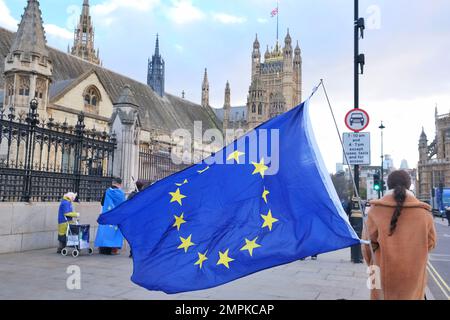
x=357 y=148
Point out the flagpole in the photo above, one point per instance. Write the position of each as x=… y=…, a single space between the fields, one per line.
x=278 y=14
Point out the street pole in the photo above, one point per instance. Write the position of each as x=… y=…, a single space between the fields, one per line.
x=356 y=79
x=356 y=217
x=381 y=127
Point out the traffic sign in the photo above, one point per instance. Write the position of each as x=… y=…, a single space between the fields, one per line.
x=357 y=148
x=357 y=120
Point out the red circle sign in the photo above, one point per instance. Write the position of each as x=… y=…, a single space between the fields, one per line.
x=357 y=120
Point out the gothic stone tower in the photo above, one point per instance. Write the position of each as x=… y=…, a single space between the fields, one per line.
x=423 y=147
x=434 y=158
x=83 y=45
x=156 y=70
x=227 y=107
x=276 y=84
x=205 y=90
x=28 y=68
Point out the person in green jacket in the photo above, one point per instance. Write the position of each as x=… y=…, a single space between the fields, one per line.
x=65 y=217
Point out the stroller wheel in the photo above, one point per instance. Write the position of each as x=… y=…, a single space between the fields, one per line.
x=91 y=251
x=75 y=253
x=64 y=252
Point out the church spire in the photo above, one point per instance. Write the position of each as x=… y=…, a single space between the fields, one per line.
x=157 y=46
x=156 y=71
x=28 y=67
x=30 y=37
x=227 y=95
x=205 y=78
x=227 y=107
x=256 y=44
x=83 y=46
x=205 y=90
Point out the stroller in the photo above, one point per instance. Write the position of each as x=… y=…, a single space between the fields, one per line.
x=77 y=236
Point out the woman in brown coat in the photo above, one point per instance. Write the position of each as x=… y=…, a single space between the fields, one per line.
x=401 y=230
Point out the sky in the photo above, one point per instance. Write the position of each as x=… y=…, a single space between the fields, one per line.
x=406 y=46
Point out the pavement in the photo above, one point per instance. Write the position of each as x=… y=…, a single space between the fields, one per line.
x=43 y=275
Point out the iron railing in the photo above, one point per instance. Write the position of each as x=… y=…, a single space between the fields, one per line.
x=155 y=166
x=40 y=159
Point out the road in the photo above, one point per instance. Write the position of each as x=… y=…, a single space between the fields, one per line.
x=439 y=263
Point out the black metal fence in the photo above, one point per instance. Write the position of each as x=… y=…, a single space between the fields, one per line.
x=41 y=160
x=155 y=166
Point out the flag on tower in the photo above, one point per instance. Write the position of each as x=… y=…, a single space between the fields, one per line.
x=214 y=223
x=274 y=12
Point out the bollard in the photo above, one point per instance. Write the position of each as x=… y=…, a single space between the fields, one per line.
x=356 y=220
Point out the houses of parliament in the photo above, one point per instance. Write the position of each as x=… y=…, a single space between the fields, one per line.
x=67 y=83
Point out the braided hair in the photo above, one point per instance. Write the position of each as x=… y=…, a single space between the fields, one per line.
x=400 y=182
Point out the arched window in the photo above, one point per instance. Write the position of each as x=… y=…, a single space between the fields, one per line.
x=254 y=108
x=24 y=86
x=9 y=91
x=260 y=109
x=92 y=99
x=40 y=88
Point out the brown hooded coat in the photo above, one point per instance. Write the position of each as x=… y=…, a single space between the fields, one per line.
x=402 y=257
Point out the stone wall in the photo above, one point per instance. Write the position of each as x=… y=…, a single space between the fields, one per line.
x=25 y=226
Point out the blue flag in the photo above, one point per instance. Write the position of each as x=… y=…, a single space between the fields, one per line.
x=271 y=203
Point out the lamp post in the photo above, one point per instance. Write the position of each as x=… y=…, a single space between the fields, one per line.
x=381 y=127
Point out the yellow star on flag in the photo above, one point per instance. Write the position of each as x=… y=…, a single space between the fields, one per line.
x=260 y=167
x=268 y=220
x=265 y=194
x=250 y=245
x=181 y=184
x=177 y=196
x=186 y=243
x=204 y=170
x=235 y=155
x=179 y=221
x=201 y=258
x=224 y=259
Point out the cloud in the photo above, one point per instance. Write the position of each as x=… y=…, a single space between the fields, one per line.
x=107 y=7
x=9 y=22
x=179 y=48
x=6 y=19
x=103 y=12
x=228 y=19
x=262 y=20
x=183 y=12
x=58 y=32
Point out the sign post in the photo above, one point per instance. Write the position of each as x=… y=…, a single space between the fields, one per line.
x=357 y=152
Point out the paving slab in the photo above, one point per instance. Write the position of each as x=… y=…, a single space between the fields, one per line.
x=43 y=275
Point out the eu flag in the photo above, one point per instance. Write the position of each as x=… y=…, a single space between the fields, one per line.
x=269 y=203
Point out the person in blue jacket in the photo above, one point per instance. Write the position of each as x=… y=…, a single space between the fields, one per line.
x=65 y=217
x=109 y=239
